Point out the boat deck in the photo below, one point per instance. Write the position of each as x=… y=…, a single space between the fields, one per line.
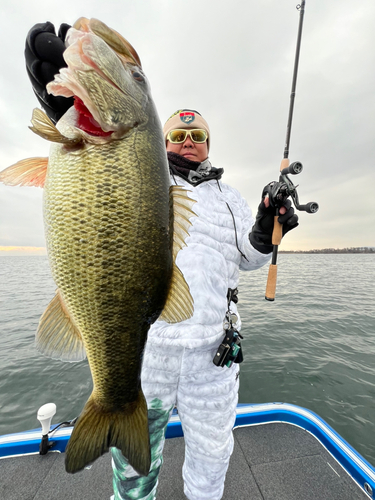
x=276 y=461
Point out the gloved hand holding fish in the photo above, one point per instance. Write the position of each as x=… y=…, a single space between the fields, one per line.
x=113 y=230
x=44 y=58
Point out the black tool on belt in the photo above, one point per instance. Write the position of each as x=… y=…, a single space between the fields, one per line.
x=230 y=350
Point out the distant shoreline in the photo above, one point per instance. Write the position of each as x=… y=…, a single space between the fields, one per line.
x=334 y=250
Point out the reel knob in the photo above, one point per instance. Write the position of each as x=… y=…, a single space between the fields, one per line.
x=310 y=208
x=294 y=168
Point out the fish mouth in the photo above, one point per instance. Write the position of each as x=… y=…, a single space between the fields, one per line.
x=86 y=122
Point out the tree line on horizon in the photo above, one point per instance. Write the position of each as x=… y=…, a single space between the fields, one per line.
x=334 y=250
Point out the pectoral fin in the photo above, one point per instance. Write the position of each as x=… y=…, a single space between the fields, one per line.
x=28 y=172
x=43 y=126
x=57 y=336
x=179 y=305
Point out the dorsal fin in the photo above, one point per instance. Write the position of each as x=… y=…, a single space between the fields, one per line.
x=43 y=126
x=28 y=172
x=57 y=336
x=179 y=305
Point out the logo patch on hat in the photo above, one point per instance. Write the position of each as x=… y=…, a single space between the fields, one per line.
x=187 y=117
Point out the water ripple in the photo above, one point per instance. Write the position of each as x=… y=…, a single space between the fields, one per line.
x=314 y=346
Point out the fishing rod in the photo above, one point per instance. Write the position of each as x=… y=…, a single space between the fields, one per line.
x=281 y=190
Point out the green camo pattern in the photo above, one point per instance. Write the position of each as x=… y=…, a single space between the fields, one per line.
x=127 y=485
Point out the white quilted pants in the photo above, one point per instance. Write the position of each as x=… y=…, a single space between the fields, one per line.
x=206 y=397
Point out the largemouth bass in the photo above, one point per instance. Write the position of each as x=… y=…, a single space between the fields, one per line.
x=109 y=217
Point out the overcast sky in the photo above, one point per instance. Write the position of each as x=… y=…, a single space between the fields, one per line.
x=233 y=62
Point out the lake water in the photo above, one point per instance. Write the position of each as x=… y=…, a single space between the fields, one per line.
x=314 y=346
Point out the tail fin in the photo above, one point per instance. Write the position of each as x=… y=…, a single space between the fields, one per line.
x=97 y=430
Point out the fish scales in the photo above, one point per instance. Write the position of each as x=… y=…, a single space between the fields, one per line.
x=107 y=218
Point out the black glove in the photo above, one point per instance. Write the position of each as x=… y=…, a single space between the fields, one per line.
x=261 y=233
x=44 y=58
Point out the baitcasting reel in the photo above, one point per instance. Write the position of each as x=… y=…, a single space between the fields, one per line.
x=279 y=191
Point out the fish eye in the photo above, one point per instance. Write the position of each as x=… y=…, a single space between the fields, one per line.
x=137 y=76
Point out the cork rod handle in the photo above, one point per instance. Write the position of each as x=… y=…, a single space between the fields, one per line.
x=271 y=282
x=277 y=235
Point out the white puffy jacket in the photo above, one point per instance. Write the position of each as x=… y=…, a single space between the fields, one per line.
x=210 y=263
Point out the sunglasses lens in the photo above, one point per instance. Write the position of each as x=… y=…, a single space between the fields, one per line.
x=177 y=136
x=199 y=136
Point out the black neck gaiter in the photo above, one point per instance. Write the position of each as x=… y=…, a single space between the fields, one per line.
x=194 y=172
